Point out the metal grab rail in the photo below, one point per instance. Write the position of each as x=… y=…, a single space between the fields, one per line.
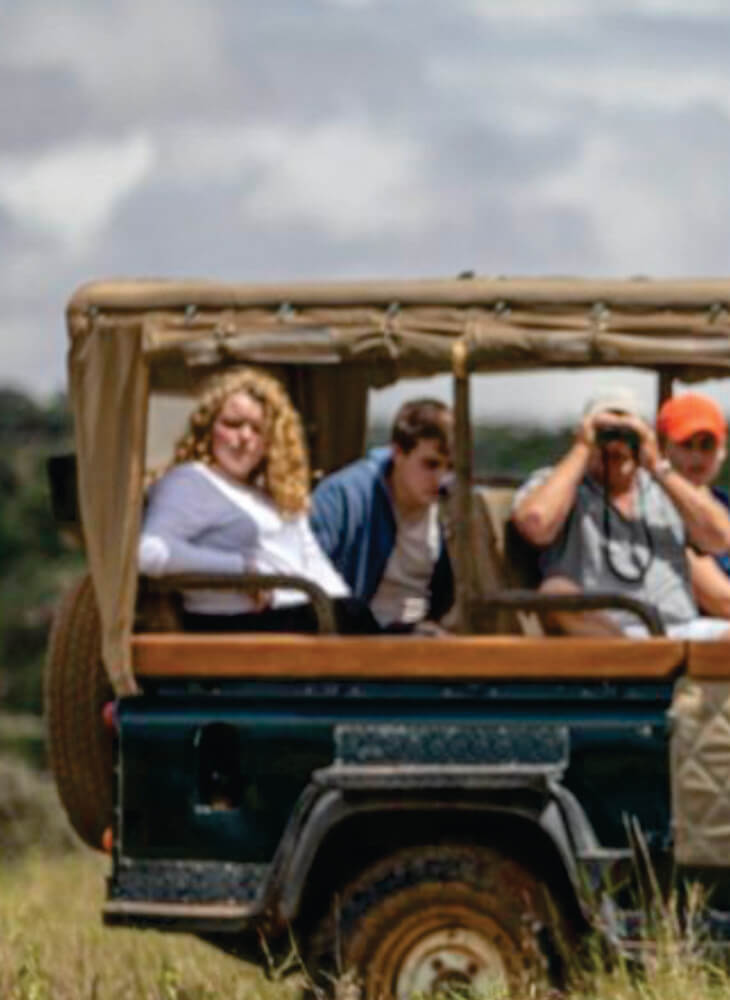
x=529 y=600
x=251 y=582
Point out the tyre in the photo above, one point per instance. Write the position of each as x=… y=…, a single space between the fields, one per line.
x=76 y=689
x=434 y=920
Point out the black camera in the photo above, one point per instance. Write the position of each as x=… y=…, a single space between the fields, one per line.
x=604 y=435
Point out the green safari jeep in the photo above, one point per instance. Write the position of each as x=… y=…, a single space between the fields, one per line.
x=430 y=812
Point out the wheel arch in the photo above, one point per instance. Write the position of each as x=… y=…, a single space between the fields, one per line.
x=344 y=836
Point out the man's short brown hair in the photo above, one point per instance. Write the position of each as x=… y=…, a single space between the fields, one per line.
x=423 y=419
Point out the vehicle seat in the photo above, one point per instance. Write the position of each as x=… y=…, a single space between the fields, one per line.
x=513 y=561
x=157 y=610
x=500 y=559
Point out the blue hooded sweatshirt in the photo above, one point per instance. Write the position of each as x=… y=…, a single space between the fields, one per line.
x=352 y=517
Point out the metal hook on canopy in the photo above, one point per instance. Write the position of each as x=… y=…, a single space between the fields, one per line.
x=716 y=312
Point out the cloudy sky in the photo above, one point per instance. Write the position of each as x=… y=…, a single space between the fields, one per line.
x=277 y=139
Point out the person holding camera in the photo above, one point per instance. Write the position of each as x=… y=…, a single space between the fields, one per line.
x=613 y=515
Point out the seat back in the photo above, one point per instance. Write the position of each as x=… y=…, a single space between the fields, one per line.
x=157 y=610
x=513 y=561
x=499 y=559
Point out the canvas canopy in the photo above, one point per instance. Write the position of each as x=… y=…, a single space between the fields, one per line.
x=330 y=343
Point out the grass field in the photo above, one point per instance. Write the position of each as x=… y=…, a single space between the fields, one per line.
x=53 y=947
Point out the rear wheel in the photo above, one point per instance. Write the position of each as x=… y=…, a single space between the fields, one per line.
x=76 y=689
x=430 y=920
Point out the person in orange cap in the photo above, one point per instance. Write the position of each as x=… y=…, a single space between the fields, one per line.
x=692 y=433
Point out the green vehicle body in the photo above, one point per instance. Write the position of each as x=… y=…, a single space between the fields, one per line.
x=553 y=773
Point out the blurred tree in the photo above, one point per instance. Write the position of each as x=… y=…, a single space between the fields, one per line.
x=34 y=563
x=504 y=449
x=18 y=412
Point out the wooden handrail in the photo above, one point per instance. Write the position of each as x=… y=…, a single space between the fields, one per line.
x=401 y=658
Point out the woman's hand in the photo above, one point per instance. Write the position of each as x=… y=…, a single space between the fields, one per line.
x=261 y=599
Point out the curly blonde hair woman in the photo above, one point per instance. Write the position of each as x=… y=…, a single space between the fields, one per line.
x=284 y=469
x=235 y=501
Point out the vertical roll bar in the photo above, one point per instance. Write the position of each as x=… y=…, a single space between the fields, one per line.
x=462 y=487
x=666 y=381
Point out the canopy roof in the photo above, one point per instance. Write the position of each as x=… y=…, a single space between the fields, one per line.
x=404 y=328
x=330 y=342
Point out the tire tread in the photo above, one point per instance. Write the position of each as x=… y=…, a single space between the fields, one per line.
x=76 y=688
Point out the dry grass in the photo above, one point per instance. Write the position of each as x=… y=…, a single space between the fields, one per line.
x=53 y=946
x=30 y=812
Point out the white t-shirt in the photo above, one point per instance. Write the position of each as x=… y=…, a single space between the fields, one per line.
x=403 y=594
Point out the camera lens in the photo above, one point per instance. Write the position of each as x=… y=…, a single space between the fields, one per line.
x=604 y=435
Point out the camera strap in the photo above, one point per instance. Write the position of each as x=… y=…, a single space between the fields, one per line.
x=637 y=527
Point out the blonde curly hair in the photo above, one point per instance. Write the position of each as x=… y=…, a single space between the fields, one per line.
x=284 y=473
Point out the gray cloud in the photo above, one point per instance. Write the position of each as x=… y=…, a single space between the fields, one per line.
x=40 y=107
x=353 y=137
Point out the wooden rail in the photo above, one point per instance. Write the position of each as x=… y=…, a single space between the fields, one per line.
x=709 y=660
x=173 y=654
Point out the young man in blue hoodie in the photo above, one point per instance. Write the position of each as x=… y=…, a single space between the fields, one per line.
x=378 y=520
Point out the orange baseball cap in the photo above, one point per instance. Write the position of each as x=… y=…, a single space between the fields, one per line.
x=682 y=416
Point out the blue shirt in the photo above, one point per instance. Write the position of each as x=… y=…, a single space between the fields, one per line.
x=353 y=520
x=723 y=559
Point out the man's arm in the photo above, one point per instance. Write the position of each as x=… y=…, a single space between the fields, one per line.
x=541 y=514
x=710 y=585
x=705 y=518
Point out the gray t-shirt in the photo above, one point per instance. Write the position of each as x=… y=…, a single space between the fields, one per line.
x=581 y=550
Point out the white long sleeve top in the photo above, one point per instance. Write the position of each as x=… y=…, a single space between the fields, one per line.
x=197 y=521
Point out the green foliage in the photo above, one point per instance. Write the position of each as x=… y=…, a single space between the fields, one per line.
x=22 y=736
x=516 y=451
x=23 y=419
x=505 y=449
x=34 y=561
x=30 y=813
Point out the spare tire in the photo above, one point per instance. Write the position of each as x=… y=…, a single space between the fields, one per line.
x=76 y=690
